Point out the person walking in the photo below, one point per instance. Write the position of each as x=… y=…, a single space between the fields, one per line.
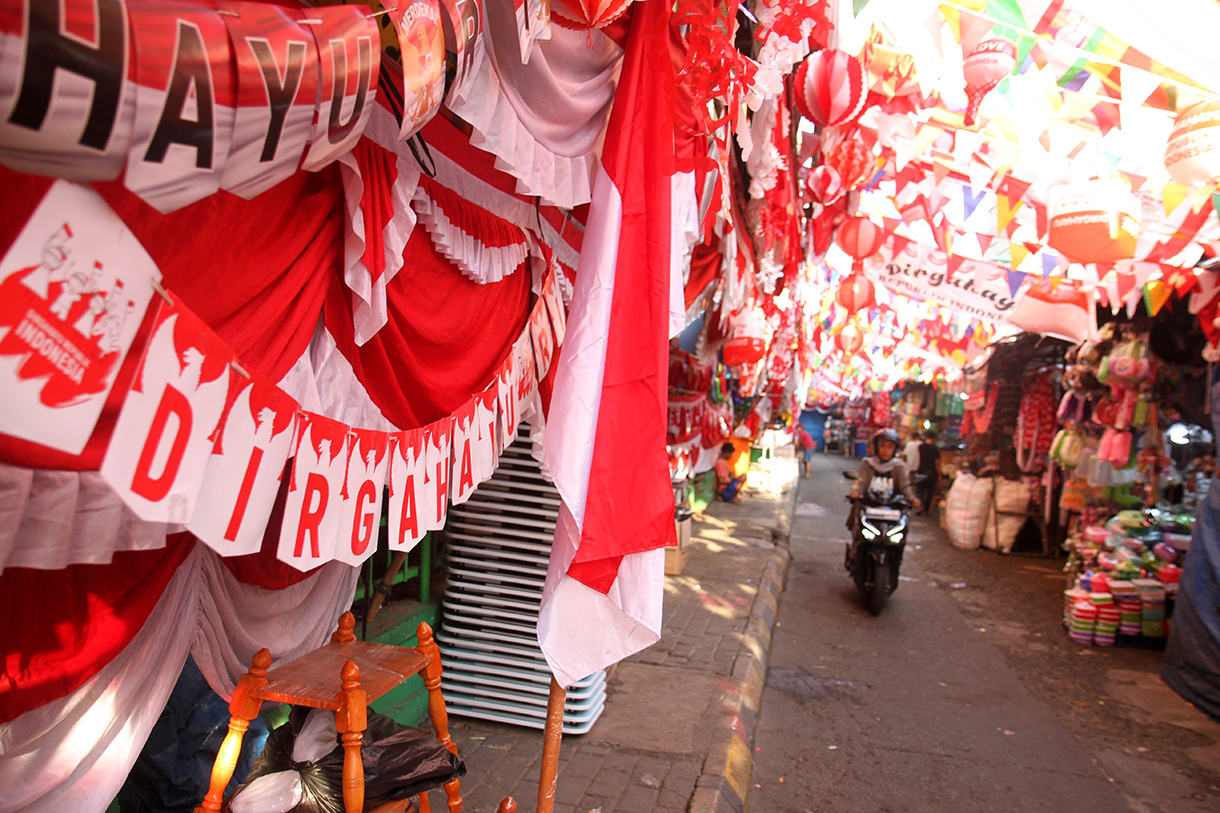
x=929 y=468
x=805 y=447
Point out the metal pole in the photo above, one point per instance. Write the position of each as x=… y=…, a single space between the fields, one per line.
x=550 y=747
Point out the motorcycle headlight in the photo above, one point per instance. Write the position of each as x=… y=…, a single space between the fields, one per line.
x=869 y=530
x=896 y=532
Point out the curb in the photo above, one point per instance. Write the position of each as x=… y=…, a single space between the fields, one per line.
x=724 y=783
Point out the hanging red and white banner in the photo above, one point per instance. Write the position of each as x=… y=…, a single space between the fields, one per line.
x=158 y=454
x=506 y=398
x=312 y=523
x=438 y=448
x=487 y=419
x=185 y=98
x=66 y=98
x=74 y=287
x=349 y=61
x=277 y=93
x=527 y=370
x=408 y=475
x=243 y=475
x=474 y=452
x=554 y=308
x=421 y=43
x=368 y=463
x=542 y=339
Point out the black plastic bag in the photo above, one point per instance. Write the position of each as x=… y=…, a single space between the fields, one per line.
x=399 y=761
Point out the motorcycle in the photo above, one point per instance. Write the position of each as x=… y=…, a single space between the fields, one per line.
x=874 y=556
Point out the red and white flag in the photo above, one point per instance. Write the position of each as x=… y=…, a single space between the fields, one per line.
x=605 y=441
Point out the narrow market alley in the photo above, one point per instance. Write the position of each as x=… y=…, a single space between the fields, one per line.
x=965 y=694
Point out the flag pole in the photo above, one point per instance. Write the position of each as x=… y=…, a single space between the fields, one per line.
x=550 y=747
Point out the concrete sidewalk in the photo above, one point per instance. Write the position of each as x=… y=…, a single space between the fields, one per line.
x=677 y=732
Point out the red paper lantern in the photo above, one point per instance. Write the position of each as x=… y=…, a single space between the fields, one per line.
x=830 y=88
x=855 y=293
x=825 y=184
x=850 y=339
x=860 y=238
x=853 y=161
x=588 y=13
x=989 y=62
x=1192 y=154
x=1094 y=221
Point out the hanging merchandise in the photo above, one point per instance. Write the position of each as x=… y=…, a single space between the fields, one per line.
x=984 y=68
x=855 y=293
x=982 y=418
x=1036 y=424
x=860 y=237
x=1094 y=221
x=747 y=339
x=1192 y=154
x=830 y=88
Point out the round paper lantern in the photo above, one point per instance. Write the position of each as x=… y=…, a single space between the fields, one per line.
x=585 y=14
x=1192 y=154
x=989 y=62
x=746 y=343
x=850 y=339
x=830 y=88
x=855 y=293
x=853 y=161
x=1094 y=221
x=825 y=184
x=860 y=238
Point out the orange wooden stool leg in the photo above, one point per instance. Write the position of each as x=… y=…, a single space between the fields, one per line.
x=436 y=710
x=350 y=721
x=244 y=707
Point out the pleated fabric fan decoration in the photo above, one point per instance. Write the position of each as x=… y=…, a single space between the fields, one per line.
x=588 y=13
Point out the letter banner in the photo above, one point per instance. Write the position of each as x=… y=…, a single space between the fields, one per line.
x=543 y=339
x=349 y=58
x=312 y=523
x=185 y=91
x=243 y=474
x=506 y=397
x=974 y=288
x=466 y=452
x=158 y=454
x=407 y=489
x=74 y=287
x=554 y=307
x=66 y=94
x=277 y=93
x=368 y=461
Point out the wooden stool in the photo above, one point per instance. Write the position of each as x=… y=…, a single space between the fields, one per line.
x=344 y=677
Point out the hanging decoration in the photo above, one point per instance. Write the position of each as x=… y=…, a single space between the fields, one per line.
x=825 y=184
x=747 y=343
x=860 y=238
x=1192 y=154
x=989 y=62
x=588 y=13
x=1094 y=222
x=850 y=339
x=853 y=160
x=830 y=88
x=855 y=293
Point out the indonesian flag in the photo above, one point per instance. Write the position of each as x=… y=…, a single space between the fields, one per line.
x=605 y=440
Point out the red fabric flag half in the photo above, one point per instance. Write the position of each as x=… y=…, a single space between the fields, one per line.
x=605 y=441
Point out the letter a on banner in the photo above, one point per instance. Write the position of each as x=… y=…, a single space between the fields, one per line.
x=368 y=462
x=463 y=477
x=74 y=287
x=66 y=96
x=184 y=102
x=277 y=92
x=408 y=472
x=159 y=450
x=312 y=524
x=349 y=60
x=243 y=474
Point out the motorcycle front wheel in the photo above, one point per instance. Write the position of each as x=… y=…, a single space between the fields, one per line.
x=881 y=587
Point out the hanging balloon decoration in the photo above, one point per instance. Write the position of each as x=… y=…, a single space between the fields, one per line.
x=989 y=62
x=584 y=14
x=747 y=341
x=825 y=184
x=855 y=293
x=850 y=339
x=1192 y=154
x=860 y=238
x=830 y=88
x=1094 y=221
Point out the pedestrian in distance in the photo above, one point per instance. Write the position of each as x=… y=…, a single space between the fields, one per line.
x=805 y=447
x=929 y=467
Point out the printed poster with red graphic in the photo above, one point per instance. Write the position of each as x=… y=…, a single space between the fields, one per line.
x=242 y=479
x=159 y=450
x=408 y=476
x=312 y=523
x=368 y=461
x=74 y=287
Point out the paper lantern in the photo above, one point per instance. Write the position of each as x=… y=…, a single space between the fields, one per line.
x=850 y=339
x=1192 y=154
x=989 y=62
x=853 y=161
x=1094 y=221
x=587 y=13
x=830 y=88
x=825 y=184
x=855 y=293
x=747 y=342
x=860 y=238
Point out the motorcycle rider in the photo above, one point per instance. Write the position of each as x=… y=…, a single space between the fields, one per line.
x=887 y=470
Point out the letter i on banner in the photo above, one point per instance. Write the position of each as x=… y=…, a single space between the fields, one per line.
x=368 y=462
x=312 y=524
x=243 y=475
x=159 y=450
x=74 y=287
x=465 y=451
x=185 y=97
x=66 y=95
x=277 y=93
x=349 y=61
x=407 y=474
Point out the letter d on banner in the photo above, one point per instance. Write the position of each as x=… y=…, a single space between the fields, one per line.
x=160 y=446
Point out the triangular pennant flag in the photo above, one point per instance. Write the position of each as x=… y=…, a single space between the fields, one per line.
x=971 y=201
x=1005 y=210
x=1017 y=255
x=1181 y=280
x=1124 y=282
x=1049 y=263
x=1216 y=203
x=1041 y=223
x=1012 y=188
x=1032 y=247
x=1015 y=279
x=984 y=242
x=1173 y=195
x=1103 y=296
x=1156 y=294
x=951 y=267
x=924 y=137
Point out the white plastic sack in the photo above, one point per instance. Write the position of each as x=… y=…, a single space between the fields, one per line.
x=966 y=510
x=1001 y=531
x=273 y=793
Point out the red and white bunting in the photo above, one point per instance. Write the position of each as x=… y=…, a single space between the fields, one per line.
x=66 y=93
x=243 y=475
x=368 y=463
x=349 y=58
x=408 y=476
x=474 y=445
x=312 y=513
x=161 y=443
x=437 y=452
x=542 y=338
x=506 y=399
x=185 y=99
x=554 y=307
x=74 y=286
x=277 y=90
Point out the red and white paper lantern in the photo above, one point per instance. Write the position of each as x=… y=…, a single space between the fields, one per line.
x=830 y=88
x=855 y=293
x=1094 y=221
x=850 y=339
x=825 y=184
x=860 y=237
x=985 y=67
x=1192 y=154
x=587 y=13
